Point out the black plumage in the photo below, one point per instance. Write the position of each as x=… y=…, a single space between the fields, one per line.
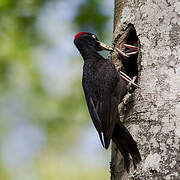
x=104 y=90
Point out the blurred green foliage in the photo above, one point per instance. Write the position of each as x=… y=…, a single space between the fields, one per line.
x=61 y=118
x=91 y=16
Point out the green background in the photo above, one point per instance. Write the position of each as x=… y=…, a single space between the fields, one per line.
x=45 y=129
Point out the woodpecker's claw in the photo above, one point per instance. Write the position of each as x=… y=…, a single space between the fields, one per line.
x=128 y=79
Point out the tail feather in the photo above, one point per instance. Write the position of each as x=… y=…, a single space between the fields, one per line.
x=126 y=145
x=124 y=153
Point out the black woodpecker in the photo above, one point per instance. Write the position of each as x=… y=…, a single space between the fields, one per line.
x=104 y=89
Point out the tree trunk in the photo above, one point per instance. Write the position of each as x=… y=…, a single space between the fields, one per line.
x=154 y=118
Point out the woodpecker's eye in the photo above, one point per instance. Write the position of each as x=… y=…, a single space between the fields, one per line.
x=94 y=36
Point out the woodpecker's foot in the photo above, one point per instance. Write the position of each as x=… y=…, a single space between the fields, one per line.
x=128 y=79
x=129 y=87
x=126 y=98
x=131 y=83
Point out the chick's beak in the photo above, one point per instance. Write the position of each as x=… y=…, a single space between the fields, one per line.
x=105 y=47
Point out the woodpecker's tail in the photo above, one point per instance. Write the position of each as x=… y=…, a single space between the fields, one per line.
x=126 y=145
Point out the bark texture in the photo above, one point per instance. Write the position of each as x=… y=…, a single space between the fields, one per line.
x=154 y=117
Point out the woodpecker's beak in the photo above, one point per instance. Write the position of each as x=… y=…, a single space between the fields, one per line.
x=105 y=47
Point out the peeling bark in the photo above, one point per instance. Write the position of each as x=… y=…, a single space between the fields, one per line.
x=153 y=118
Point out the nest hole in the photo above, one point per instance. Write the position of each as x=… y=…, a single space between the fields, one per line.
x=130 y=64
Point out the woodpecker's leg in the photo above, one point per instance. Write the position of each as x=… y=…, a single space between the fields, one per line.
x=126 y=98
x=128 y=79
x=128 y=95
x=131 y=83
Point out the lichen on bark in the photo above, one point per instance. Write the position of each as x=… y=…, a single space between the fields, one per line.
x=154 y=117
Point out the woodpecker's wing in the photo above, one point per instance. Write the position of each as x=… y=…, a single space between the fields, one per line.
x=108 y=88
x=102 y=100
x=92 y=105
x=108 y=114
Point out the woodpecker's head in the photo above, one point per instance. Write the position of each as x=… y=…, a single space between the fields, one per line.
x=85 y=40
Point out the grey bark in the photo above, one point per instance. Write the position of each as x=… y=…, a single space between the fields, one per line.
x=154 y=117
